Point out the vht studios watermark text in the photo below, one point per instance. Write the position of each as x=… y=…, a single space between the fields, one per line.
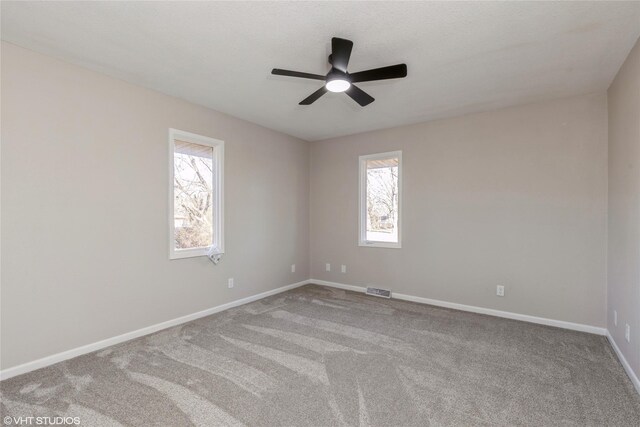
x=41 y=421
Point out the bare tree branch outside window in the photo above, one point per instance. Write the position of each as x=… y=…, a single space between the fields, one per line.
x=193 y=177
x=382 y=200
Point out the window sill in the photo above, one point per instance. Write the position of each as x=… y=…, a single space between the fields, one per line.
x=380 y=245
x=188 y=253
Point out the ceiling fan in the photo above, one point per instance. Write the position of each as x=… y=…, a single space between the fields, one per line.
x=339 y=80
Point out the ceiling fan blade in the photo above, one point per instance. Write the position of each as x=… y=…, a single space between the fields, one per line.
x=390 y=72
x=340 y=53
x=360 y=96
x=314 y=96
x=288 y=73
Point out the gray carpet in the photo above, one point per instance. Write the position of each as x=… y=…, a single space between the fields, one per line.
x=322 y=357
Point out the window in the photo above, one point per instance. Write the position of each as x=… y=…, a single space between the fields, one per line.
x=380 y=197
x=196 y=198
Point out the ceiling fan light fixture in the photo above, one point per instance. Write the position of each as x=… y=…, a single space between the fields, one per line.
x=338 y=85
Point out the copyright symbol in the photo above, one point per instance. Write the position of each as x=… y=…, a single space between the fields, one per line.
x=7 y=420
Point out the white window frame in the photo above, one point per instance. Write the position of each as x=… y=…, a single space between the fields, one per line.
x=218 y=186
x=362 y=208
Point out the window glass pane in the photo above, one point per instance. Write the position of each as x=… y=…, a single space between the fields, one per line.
x=382 y=200
x=193 y=170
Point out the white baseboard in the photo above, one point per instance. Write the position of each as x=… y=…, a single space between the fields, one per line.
x=79 y=351
x=625 y=364
x=473 y=309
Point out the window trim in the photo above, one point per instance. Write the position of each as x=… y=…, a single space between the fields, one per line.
x=362 y=211
x=218 y=184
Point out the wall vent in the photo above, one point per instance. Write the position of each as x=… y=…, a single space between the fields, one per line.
x=377 y=292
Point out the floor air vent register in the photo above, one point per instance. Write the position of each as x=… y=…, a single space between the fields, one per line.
x=377 y=292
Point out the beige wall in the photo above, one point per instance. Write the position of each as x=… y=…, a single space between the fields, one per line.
x=624 y=207
x=515 y=197
x=84 y=208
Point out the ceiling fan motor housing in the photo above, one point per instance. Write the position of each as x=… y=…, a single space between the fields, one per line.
x=335 y=74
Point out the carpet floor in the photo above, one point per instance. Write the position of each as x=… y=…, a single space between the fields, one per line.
x=317 y=356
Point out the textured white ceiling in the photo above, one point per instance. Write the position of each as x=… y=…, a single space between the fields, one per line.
x=462 y=57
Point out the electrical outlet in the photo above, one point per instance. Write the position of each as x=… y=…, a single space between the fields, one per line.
x=500 y=290
x=627 y=332
x=343 y=268
x=615 y=317
x=231 y=283
x=328 y=267
x=293 y=268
